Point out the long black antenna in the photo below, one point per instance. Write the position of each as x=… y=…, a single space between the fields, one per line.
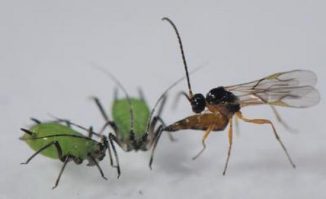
x=112 y=77
x=166 y=91
x=182 y=53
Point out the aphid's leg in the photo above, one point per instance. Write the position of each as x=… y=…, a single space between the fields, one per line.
x=43 y=148
x=158 y=118
x=280 y=120
x=66 y=121
x=230 y=136
x=59 y=151
x=111 y=139
x=98 y=166
x=207 y=132
x=109 y=145
x=100 y=107
x=177 y=98
x=66 y=160
x=141 y=95
x=112 y=125
x=157 y=136
x=69 y=124
x=160 y=109
x=91 y=133
x=36 y=120
x=265 y=121
x=105 y=116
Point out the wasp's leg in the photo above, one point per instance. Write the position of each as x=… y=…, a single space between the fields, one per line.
x=230 y=139
x=277 y=115
x=280 y=120
x=265 y=121
x=236 y=124
x=207 y=132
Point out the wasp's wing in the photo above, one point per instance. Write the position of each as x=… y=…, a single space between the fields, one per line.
x=291 y=89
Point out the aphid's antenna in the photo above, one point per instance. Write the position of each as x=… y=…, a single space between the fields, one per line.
x=68 y=122
x=122 y=88
x=182 y=53
x=51 y=136
x=166 y=91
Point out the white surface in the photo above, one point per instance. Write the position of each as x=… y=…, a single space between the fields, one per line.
x=45 y=51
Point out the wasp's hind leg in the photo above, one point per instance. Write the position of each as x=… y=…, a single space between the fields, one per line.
x=265 y=121
x=280 y=120
x=230 y=139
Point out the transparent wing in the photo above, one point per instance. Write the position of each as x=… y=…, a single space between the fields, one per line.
x=291 y=89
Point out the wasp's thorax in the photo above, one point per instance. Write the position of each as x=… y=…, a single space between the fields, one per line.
x=222 y=100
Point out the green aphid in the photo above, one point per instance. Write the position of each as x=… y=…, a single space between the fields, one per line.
x=121 y=116
x=58 y=141
x=133 y=123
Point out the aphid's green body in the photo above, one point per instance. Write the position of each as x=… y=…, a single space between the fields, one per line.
x=134 y=125
x=74 y=146
x=58 y=141
x=134 y=128
x=121 y=117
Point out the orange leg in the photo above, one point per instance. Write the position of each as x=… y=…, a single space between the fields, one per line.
x=207 y=132
x=280 y=120
x=236 y=124
x=264 y=121
x=230 y=136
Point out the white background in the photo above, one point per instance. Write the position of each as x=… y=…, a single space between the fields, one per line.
x=46 y=48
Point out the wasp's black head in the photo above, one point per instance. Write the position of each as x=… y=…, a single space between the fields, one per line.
x=220 y=96
x=198 y=103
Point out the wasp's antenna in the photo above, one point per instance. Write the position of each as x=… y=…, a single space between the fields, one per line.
x=182 y=53
x=113 y=78
x=167 y=90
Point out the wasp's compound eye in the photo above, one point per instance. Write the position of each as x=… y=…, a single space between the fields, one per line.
x=198 y=103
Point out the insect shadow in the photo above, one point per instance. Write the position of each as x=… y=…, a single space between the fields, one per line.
x=217 y=109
